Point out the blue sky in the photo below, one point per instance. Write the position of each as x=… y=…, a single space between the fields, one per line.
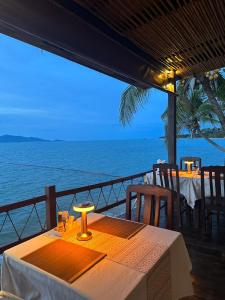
x=47 y=96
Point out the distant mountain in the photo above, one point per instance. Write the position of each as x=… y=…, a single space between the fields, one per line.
x=15 y=139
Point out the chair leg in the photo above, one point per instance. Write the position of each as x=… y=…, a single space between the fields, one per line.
x=128 y=206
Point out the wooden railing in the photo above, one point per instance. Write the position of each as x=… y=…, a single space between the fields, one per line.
x=25 y=219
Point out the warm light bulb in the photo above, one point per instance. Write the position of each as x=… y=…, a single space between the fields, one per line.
x=83 y=209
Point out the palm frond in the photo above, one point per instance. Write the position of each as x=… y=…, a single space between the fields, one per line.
x=220 y=91
x=131 y=100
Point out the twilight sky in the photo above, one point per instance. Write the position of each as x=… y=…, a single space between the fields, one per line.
x=47 y=96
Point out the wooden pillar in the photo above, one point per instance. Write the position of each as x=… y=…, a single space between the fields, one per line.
x=51 y=221
x=171 y=130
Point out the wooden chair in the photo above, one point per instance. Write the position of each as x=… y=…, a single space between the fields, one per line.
x=153 y=195
x=167 y=176
x=196 y=162
x=212 y=194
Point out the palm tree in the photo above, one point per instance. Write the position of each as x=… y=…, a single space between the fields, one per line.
x=132 y=99
x=201 y=100
x=213 y=86
x=192 y=111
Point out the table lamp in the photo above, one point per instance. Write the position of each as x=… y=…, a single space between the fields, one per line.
x=189 y=163
x=83 y=208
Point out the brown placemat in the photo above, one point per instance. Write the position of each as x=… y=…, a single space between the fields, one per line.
x=121 y=228
x=65 y=260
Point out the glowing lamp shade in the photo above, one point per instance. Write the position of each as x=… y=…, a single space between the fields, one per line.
x=84 y=208
x=189 y=163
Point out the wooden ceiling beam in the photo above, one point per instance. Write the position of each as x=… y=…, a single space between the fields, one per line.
x=184 y=35
x=64 y=31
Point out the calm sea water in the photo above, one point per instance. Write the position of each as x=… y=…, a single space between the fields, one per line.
x=26 y=168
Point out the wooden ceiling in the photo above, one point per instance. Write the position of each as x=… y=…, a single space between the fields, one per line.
x=132 y=40
x=184 y=35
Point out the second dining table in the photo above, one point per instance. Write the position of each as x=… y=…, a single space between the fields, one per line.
x=153 y=263
x=190 y=185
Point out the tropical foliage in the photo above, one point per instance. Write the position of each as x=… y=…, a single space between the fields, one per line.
x=201 y=102
x=132 y=99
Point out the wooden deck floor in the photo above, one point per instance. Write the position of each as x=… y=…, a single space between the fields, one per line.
x=208 y=260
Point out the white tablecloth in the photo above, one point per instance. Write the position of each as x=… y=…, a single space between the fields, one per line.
x=154 y=264
x=190 y=186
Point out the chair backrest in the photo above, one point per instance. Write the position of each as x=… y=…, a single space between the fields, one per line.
x=167 y=176
x=152 y=196
x=213 y=185
x=196 y=162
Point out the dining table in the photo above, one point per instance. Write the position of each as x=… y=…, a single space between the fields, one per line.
x=152 y=263
x=190 y=185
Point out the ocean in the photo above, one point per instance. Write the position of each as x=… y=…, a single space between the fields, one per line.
x=26 y=168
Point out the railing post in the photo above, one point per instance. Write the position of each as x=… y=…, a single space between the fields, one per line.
x=50 y=207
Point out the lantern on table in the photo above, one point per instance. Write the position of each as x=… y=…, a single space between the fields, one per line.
x=84 y=208
x=189 y=166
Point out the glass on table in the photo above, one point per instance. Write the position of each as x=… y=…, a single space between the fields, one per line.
x=60 y=223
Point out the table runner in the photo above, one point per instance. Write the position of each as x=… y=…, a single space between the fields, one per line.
x=65 y=260
x=118 y=227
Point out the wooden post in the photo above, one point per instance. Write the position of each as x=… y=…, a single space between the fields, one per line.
x=51 y=221
x=171 y=130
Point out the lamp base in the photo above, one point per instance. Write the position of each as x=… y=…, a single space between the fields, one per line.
x=84 y=236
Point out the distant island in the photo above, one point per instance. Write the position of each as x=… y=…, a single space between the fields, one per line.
x=6 y=138
x=209 y=132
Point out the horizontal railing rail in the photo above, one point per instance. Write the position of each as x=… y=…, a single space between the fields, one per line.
x=25 y=219
x=22 y=203
x=99 y=185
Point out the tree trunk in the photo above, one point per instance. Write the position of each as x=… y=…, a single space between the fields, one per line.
x=212 y=99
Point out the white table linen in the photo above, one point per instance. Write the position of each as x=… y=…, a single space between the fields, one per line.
x=153 y=264
x=190 y=186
